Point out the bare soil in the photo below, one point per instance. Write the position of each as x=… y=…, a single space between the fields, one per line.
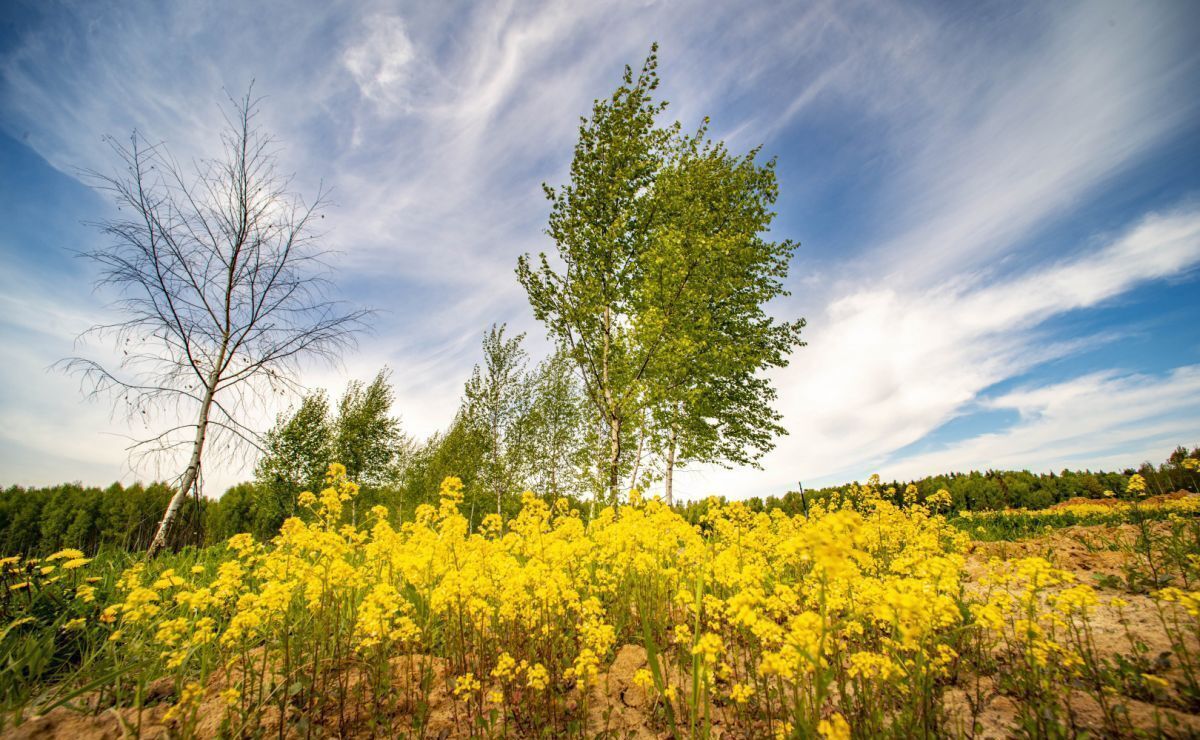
x=1131 y=630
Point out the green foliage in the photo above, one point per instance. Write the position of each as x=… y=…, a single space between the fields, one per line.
x=660 y=301
x=496 y=402
x=35 y=521
x=1181 y=471
x=459 y=451
x=52 y=633
x=515 y=430
x=38 y=521
x=553 y=430
x=369 y=441
x=246 y=507
x=601 y=223
x=363 y=436
x=711 y=277
x=295 y=453
x=992 y=526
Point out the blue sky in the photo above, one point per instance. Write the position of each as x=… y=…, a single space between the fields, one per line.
x=998 y=204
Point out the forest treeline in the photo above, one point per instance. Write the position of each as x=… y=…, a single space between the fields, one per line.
x=994 y=490
x=401 y=475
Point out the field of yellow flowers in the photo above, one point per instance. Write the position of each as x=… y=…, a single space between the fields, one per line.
x=863 y=619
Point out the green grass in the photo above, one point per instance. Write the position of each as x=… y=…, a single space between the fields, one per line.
x=46 y=660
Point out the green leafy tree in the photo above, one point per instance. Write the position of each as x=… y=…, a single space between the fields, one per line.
x=515 y=429
x=296 y=452
x=369 y=440
x=363 y=436
x=553 y=428
x=660 y=300
x=460 y=451
x=495 y=403
x=704 y=303
x=601 y=225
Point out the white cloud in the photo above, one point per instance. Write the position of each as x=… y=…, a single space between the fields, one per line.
x=47 y=433
x=382 y=61
x=1101 y=421
x=884 y=368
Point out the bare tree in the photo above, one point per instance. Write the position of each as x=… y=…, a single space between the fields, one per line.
x=223 y=291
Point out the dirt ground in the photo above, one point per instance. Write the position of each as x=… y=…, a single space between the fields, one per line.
x=1087 y=553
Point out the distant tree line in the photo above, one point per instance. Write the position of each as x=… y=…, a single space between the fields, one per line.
x=42 y=520
x=1000 y=489
x=403 y=475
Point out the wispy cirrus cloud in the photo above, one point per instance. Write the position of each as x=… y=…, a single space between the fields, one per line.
x=383 y=62
x=1036 y=133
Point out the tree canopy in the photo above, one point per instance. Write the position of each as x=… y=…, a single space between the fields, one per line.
x=664 y=279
